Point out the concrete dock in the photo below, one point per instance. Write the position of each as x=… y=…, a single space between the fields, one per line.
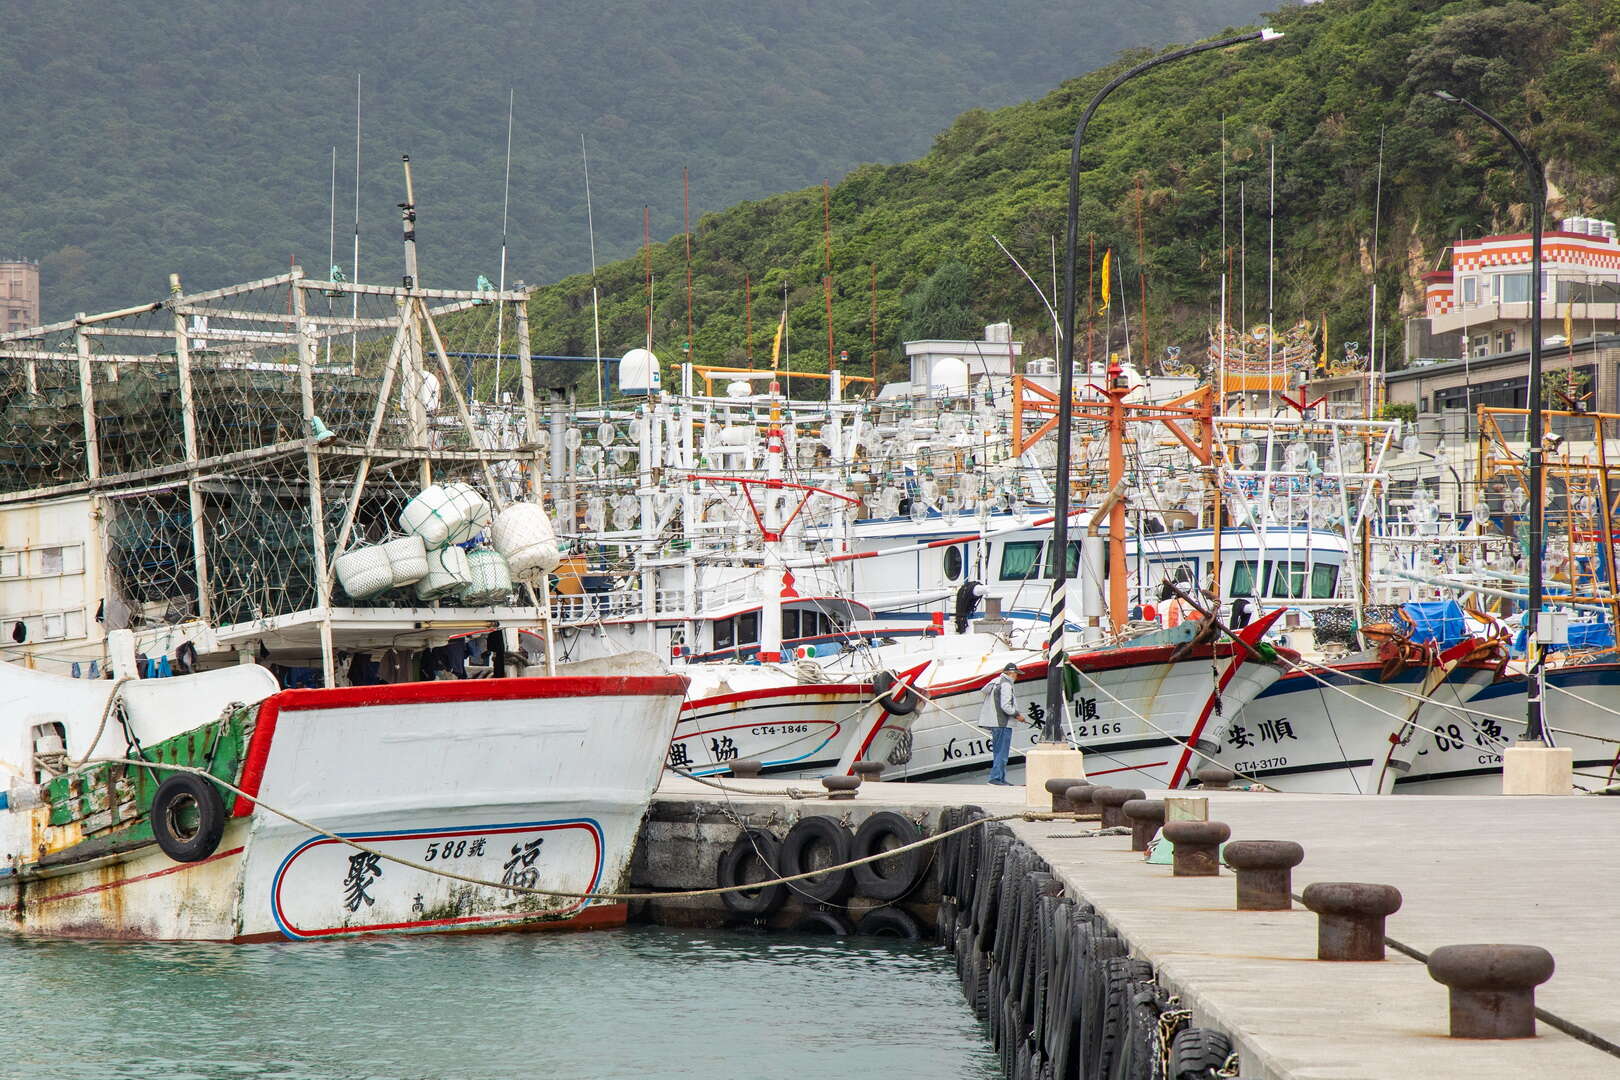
x=1538 y=871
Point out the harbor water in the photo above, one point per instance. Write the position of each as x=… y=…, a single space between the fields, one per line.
x=643 y=1002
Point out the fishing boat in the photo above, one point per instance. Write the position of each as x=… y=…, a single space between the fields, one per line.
x=539 y=783
x=1138 y=709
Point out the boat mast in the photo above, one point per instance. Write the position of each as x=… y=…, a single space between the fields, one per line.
x=596 y=307
x=500 y=302
x=412 y=358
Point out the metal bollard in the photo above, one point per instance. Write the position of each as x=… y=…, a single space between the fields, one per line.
x=1145 y=816
x=1350 y=918
x=1109 y=800
x=1264 y=871
x=1493 y=988
x=1197 y=846
x=871 y=771
x=1215 y=778
x=746 y=768
x=1057 y=787
x=840 y=787
x=1079 y=797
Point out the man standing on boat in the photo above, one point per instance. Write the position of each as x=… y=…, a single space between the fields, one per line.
x=996 y=713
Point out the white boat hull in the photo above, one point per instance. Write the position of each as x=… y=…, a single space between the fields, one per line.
x=1330 y=730
x=537 y=782
x=1137 y=707
x=764 y=714
x=1463 y=754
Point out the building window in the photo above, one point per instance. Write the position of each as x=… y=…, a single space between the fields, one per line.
x=1515 y=288
x=1470 y=290
x=1508 y=340
x=1480 y=345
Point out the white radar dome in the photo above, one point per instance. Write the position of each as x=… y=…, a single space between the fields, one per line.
x=949 y=376
x=638 y=373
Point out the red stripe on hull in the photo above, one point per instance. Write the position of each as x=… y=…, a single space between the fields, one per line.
x=472 y=690
x=797 y=690
x=121 y=882
x=596 y=917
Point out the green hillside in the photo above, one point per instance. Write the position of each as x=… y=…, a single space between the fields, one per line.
x=1348 y=73
x=143 y=138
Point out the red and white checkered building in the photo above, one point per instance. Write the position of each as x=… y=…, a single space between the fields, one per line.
x=1482 y=304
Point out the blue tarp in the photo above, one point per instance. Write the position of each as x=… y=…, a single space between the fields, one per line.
x=1582 y=635
x=1441 y=622
x=1592 y=635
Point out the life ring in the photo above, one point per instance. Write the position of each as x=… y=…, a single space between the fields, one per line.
x=754 y=847
x=888 y=879
x=890 y=922
x=188 y=817
x=903 y=702
x=832 y=840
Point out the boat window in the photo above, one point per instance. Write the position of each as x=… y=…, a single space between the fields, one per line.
x=748 y=628
x=1074 y=561
x=725 y=633
x=50 y=751
x=807 y=624
x=953 y=563
x=1324 y=581
x=1243 y=577
x=1287 y=579
x=1019 y=559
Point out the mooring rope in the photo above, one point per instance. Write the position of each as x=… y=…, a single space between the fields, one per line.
x=106 y=714
x=1025 y=815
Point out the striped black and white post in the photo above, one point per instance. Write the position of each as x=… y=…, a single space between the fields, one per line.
x=1052 y=730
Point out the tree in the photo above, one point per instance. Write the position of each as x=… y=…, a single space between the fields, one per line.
x=943 y=307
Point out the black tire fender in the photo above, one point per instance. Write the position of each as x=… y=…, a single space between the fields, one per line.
x=823 y=922
x=1120 y=976
x=903 y=702
x=751 y=846
x=1196 y=1052
x=818 y=831
x=892 y=878
x=890 y=922
x=188 y=817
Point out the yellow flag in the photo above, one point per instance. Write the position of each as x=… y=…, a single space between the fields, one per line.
x=776 y=346
x=1108 y=270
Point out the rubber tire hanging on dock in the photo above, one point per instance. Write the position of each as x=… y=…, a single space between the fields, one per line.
x=903 y=703
x=823 y=922
x=804 y=838
x=752 y=846
x=890 y=922
x=1197 y=1052
x=174 y=796
x=892 y=878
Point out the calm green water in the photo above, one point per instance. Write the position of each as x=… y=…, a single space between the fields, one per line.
x=644 y=1002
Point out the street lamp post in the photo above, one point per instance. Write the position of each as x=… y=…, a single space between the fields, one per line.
x=1051 y=728
x=1535 y=730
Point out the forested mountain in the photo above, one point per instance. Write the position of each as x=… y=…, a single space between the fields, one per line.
x=146 y=137
x=1349 y=84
